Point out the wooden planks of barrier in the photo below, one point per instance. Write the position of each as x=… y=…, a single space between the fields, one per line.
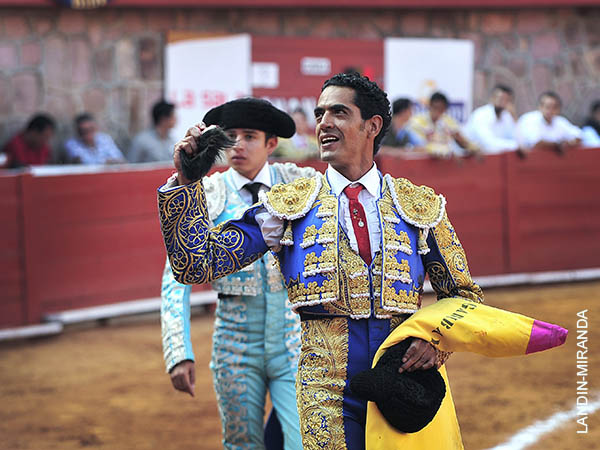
x=83 y=240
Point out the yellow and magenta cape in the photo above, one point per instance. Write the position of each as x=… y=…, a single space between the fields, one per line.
x=457 y=325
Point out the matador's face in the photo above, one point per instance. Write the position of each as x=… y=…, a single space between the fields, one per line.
x=345 y=139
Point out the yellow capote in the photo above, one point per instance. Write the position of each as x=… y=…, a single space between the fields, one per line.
x=457 y=325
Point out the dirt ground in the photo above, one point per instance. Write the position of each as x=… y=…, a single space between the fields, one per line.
x=105 y=386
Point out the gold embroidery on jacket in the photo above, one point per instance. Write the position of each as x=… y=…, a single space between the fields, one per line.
x=309 y=237
x=354 y=294
x=394 y=268
x=184 y=213
x=311 y=293
x=418 y=205
x=456 y=278
x=292 y=200
x=320 y=383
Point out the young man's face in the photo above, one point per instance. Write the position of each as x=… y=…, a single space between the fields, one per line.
x=436 y=109
x=400 y=119
x=250 y=153
x=170 y=121
x=87 y=131
x=43 y=137
x=549 y=107
x=345 y=139
x=500 y=100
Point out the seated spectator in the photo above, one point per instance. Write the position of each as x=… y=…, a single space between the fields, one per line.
x=31 y=147
x=439 y=131
x=544 y=128
x=156 y=143
x=399 y=135
x=492 y=126
x=303 y=144
x=91 y=146
x=590 y=134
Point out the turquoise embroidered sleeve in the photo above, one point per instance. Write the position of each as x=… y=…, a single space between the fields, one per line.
x=446 y=264
x=200 y=254
x=175 y=320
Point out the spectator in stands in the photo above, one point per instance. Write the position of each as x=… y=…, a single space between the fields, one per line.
x=303 y=144
x=31 y=147
x=91 y=146
x=439 y=131
x=545 y=128
x=492 y=127
x=399 y=135
x=590 y=134
x=156 y=143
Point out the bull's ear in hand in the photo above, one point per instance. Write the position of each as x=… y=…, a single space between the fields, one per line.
x=211 y=143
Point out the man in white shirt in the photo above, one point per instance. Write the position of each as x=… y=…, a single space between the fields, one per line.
x=492 y=126
x=352 y=245
x=545 y=128
x=155 y=143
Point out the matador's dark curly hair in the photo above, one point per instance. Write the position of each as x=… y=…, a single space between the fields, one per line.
x=370 y=99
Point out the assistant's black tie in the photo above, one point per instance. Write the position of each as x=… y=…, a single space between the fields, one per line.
x=253 y=188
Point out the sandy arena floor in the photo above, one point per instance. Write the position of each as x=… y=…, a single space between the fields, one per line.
x=106 y=387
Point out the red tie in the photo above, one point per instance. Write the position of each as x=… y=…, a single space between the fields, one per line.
x=359 y=222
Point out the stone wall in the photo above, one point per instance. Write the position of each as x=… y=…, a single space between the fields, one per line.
x=110 y=61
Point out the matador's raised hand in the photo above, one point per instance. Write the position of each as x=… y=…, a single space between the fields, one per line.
x=196 y=153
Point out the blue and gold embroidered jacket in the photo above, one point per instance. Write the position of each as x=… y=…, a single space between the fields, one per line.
x=225 y=203
x=323 y=275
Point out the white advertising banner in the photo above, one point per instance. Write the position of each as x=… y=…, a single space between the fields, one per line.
x=416 y=68
x=201 y=73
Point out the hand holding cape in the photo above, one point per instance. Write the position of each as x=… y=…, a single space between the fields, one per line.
x=457 y=325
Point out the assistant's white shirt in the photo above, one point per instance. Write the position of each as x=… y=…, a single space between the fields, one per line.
x=272 y=227
x=263 y=177
x=533 y=128
x=493 y=134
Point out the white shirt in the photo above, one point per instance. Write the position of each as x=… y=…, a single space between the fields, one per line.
x=590 y=137
x=533 y=128
x=263 y=177
x=493 y=134
x=368 y=199
x=272 y=227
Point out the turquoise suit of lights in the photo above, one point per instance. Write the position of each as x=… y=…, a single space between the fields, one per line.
x=256 y=339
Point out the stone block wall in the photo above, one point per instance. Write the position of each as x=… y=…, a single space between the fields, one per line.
x=110 y=61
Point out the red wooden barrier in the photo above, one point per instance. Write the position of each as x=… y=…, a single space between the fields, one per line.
x=12 y=276
x=91 y=239
x=71 y=241
x=554 y=211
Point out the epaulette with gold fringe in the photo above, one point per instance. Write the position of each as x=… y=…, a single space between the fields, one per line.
x=292 y=200
x=418 y=205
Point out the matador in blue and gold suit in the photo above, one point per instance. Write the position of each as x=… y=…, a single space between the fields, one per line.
x=347 y=308
x=256 y=339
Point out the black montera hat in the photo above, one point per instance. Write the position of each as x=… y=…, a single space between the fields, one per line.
x=253 y=113
x=407 y=400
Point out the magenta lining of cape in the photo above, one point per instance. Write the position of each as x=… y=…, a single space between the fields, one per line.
x=544 y=336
